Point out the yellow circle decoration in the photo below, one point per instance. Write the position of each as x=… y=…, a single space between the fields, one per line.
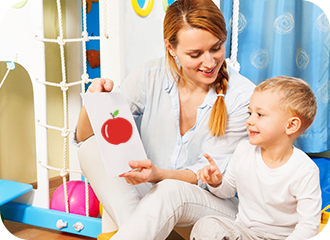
x=142 y=12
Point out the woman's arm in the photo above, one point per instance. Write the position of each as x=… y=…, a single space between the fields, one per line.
x=183 y=175
x=145 y=171
x=84 y=128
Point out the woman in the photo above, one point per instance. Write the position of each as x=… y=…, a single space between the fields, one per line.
x=190 y=104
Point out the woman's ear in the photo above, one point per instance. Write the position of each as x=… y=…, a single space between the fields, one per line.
x=169 y=48
x=293 y=126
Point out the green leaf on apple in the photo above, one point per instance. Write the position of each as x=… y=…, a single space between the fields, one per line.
x=115 y=113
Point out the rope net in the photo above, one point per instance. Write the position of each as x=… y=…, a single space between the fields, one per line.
x=64 y=86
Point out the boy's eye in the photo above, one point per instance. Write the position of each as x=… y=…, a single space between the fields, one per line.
x=260 y=115
x=249 y=113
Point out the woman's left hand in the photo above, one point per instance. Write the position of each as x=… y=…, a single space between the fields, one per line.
x=143 y=171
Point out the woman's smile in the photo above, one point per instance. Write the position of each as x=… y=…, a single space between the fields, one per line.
x=208 y=73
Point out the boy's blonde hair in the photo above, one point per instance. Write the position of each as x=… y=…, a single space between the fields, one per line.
x=297 y=99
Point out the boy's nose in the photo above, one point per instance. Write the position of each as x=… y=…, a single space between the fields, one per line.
x=249 y=121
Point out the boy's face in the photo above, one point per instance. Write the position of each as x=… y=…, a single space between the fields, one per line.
x=267 y=122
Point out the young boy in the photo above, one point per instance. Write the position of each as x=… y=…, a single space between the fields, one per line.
x=277 y=184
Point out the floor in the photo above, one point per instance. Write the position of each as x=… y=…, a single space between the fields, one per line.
x=29 y=232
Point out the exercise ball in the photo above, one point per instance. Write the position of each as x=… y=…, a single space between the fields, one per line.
x=76 y=197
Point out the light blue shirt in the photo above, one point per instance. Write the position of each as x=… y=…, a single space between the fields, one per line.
x=153 y=96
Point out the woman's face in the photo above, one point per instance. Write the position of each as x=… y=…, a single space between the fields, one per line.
x=200 y=54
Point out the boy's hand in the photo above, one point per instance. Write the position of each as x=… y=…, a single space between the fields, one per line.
x=210 y=174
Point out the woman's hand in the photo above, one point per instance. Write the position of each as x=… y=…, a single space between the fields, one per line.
x=143 y=171
x=101 y=85
x=210 y=174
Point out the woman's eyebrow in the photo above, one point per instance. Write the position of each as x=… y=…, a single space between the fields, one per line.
x=197 y=50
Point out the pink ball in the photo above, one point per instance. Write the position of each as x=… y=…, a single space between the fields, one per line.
x=76 y=196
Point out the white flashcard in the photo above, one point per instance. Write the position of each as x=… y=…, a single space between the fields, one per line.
x=115 y=130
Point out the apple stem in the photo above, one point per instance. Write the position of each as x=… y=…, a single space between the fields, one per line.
x=112 y=116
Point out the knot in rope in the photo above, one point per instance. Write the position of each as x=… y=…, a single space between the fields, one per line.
x=85 y=36
x=60 y=41
x=65 y=132
x=64 y=87
x=85 y=78
x=63 y=172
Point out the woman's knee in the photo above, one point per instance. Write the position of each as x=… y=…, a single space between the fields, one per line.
x=169 y=191
x=170 y=187
x=208 y=228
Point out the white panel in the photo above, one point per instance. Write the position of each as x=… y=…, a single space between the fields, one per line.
x=20 y=27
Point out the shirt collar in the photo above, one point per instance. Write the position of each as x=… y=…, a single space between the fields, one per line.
x=210 y=99
x=170 y=79
x=170 y=82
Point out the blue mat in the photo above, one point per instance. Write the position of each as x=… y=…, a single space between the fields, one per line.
x=324 y=166
x=10 y=190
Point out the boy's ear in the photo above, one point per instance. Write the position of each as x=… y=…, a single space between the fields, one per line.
x=293 y=125
x=169 y=48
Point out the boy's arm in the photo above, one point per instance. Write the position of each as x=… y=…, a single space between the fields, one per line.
x=308 y=195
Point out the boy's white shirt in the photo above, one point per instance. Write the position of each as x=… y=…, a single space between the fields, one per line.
x=283 y=201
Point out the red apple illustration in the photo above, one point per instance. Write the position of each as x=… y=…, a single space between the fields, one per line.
x=117 y=130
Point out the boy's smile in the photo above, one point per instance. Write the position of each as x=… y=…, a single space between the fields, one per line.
x=252 y=132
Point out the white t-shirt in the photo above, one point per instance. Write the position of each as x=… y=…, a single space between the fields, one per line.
x=283 y=201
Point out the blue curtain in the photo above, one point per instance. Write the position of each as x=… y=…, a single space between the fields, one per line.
x=292 y=38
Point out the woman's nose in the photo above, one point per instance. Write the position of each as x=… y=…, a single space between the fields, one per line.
x=208 y=60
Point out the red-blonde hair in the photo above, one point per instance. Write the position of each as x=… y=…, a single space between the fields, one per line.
x=205 y=15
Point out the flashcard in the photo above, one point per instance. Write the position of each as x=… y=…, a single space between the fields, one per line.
x=115 y=130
